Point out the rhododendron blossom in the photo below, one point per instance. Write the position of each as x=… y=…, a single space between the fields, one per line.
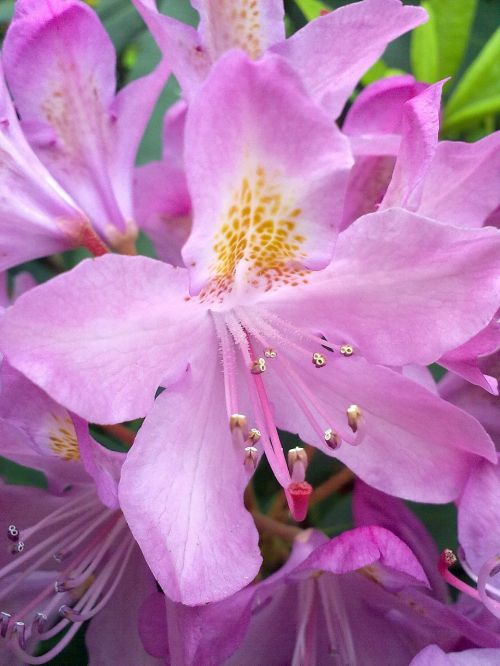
x=298 y=335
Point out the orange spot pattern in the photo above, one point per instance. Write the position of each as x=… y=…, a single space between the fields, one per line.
x=63 y=440
x=236 y=24
x=259 y=229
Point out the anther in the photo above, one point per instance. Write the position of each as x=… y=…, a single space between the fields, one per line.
x=237 y=421
x=258 y=366
x=4 y=623
x=270 y=353
x=332 y=438
x=297 y=463
x=69 y=614
x=13 y=533
x=17 y=548
x=19 y=629
x=38 y=624
x=60 y=586
x=448 y=557
x=251 y=458
x=353 y=416
x=254 y=435
x=346 y=350
x=318 y=360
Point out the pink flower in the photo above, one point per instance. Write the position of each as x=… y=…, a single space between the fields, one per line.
x=276 y=333
x=329 y=54
x=71 y=556
x=67 y=169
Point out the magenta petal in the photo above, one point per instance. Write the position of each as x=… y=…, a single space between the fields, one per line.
x=101 y=338
x=332 y=52
x=182 y=492
x=362 y=547
x=113 y=635
x=371 y=507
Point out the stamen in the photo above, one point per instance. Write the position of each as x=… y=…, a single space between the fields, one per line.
x=346 y=350
x=318 y=359
x=12 y=533
x=251 y=458
x=489 y=570
x=353 y=417
x=254 y=435
x=258 y=366
x=332 y=439
x=447 y=560
x=228 y=365
x=297 y=463
x=270 y=353
x=238 y=421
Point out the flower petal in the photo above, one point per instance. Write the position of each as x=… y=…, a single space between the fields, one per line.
x=252 y=26
x=419 y=140
x=371 y=507
x=332 y=52
x=37 y=217
x=399 y=288
x=261 y=201
x=101 y=338
x=461 y=185
x=432 y=655
x=60 y=65
x=363 y=546
x=415 y=445
x=120 y=617
x=182 y=492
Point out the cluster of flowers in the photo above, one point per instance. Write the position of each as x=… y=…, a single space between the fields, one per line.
x=307 y=276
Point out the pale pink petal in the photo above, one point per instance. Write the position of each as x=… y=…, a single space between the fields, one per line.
x=182 y=492
x=37 y=432
x=461 y=185
x=332 y=52
x=250 y=25
x=37 y=217
x=101 y=338
x=248 y=180
x=464 y=360
x=478 y=516
x=399 y=288
x=415 y=445
x=60 y=66
x=379 y=108
x=180 y=44
x=102 y=464
x=420 y=128
x=163 y=208
x=432 y=655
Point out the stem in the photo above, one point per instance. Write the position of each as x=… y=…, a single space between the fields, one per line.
x=331 y=485
x=121 y=432
x=266 y=524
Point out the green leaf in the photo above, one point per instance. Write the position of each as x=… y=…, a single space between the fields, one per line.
x=380 y=70
x=438 y=46
x=312 y=8
x=424 y=50
x=478 y=93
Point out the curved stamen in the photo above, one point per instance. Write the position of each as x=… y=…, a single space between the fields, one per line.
x=489 y=570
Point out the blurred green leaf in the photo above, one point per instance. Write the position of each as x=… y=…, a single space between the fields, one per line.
x=438 y=46
x=380 y=70
x=478 y=93
x=424 y=54
x=312 y=8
